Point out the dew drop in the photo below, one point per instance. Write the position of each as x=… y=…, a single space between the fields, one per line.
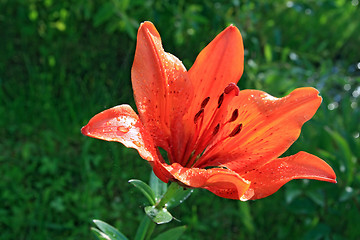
x=123 y=129
x=138 y=144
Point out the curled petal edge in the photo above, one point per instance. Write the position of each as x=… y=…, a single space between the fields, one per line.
x=267 y=179
x=222 y=182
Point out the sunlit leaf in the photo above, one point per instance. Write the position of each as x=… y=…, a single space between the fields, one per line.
x=109 y=231
x=100 y=235
x=179 y=197
x=144 y=189
x=268 y=52
x=159 y=216
x=158 y=186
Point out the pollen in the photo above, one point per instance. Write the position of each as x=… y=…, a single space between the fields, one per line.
x=198 y=115
x=216 y=129
x=220 y=100
x=205 y=102
x=234 y=115
x=236 y=130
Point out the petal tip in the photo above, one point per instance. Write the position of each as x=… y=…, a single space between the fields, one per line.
x=148 y=26
x=85 y=130
x=232 y=28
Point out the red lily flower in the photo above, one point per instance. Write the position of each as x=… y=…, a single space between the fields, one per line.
x=216 y=137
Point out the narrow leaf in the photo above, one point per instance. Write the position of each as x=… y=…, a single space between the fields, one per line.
x=158 y=186
x=100 y=235
x=245 y=216
x=111 y=232
x=180 y=196
x=268 y=53
x=172 y=234
x=159 y=216
x=105 y=12
x=346 y=152
x=143 y=227
x=145 y=189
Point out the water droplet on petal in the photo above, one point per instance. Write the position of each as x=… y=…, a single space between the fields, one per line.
x=138 y=144
x=123 y=129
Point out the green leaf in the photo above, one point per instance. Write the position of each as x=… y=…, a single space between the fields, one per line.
x=346 y=152
x=159 y=216
x=143 y=228
x=180 y=196
x=172 y=234
x=109 y=231
x=268 y=53
x=100 y=235
x=158 y=186
x=145 y=189
x=246 y=217
x=105 y=12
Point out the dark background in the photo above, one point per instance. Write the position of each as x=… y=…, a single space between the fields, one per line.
x=61 y=62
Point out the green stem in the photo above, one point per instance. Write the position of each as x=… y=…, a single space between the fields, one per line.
x=147 y=226
x=150 y=230
x=145 y=229
x=172 y=189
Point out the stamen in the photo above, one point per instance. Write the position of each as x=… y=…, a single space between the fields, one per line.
x=234 y=115
x=221 y=99
x=198 y=115
x=231 y=87
x=236 y=130
x=205 y=102
x=206 y=129
x=216 y=129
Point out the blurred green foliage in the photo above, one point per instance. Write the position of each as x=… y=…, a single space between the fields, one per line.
x=61 y=62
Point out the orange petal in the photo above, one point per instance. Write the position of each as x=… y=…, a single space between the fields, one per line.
x=161 y=87
x=121 y=124
x=270 y=177
x=218 y=64
x=269 y=126
x=222 y=182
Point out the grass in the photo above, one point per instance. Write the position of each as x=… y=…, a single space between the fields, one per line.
x=53 y=80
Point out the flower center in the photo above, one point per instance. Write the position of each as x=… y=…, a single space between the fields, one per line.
x=214 y=128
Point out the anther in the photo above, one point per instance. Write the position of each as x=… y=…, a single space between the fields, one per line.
x=236 y=130
x=220 y=100
x=216 y=129
x=205 y=102
x=234 y=115
x=198 y=115
x=232 y=87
